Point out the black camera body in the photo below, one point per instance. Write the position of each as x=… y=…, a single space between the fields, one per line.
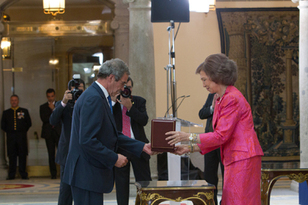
x=75 y=82
x=126 y=93
x=76 y=93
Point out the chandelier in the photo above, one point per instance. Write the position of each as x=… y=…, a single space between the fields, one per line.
x=54 y=7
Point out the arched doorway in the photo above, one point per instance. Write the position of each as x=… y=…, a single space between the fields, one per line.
x=37 y=38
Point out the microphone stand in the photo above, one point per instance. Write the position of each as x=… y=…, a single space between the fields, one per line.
x=183 y=96
x=170 y=68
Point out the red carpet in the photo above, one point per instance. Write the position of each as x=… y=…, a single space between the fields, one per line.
x=14 y=186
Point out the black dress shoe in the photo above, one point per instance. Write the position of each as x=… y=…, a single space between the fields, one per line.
x=25 y=178
x=10 y=178
x=53 y=177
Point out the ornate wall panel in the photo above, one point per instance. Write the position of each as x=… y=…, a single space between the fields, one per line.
x=264 y=44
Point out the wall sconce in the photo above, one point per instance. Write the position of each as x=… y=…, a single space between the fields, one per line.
x=6 y=47
x=54 y=7
x=53 y=61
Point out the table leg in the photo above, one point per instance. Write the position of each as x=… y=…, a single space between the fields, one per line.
x=137 y=200
x=266 y=189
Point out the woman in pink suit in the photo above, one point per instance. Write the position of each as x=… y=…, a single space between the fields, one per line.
x=233 y=133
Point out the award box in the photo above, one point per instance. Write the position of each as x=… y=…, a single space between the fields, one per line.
x=158 y=138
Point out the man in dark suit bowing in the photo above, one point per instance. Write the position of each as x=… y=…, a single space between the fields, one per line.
x=131 y=116
x=94 y=138
x=50 y=133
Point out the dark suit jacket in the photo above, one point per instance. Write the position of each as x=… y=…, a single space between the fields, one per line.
x=62 y=115
x=23 y=123
x=138 y=116
x=45 y=113
x=94 y=142
x=205 y=113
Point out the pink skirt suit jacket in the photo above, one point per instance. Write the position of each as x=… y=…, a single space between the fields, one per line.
x=240 y=148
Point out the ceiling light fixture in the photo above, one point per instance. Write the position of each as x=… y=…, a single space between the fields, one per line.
x=54 y=7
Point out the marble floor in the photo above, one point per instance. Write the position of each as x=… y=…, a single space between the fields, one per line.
x=44 y=191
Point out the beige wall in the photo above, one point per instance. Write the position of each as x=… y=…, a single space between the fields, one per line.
x=195 y=41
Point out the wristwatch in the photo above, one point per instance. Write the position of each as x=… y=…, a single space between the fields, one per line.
x=191 y=138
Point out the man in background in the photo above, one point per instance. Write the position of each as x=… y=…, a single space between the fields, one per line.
x=211 y=159
x=63 y=113
x=131 y=116
x=16 y=122
x=50 y=133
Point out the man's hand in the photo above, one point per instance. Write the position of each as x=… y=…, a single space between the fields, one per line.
x=147 y=149
x=121 y=162
x=127 y=102
x=67 y=96
x=51 y=106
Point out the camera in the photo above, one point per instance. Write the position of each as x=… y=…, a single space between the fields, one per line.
x=75 y=82
x=126 y=93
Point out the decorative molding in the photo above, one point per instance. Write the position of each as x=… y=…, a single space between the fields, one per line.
x=300 y=178
x=155 y=196
x=58 y=28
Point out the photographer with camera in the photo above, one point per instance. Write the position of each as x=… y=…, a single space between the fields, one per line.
x=130 y=116
x=63 y=113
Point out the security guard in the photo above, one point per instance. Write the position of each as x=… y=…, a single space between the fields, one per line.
x=16 y=122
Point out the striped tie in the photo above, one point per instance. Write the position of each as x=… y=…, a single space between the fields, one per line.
x=110 y=104
x=126 y=122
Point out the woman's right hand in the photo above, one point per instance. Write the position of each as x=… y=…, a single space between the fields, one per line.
x=181 y=149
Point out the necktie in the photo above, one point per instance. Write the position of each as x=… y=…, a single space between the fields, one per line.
x=126 y=122
x=110 y=104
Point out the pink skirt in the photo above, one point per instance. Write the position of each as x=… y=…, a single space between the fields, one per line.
x=242 y=182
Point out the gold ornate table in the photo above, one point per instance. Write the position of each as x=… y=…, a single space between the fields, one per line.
x=155 y=192
x=270 y=176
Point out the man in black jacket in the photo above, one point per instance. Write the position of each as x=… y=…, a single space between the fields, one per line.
x=16 y=122
x=63 y=113
x=131 y=116
x=50 y=133
x=211 y=159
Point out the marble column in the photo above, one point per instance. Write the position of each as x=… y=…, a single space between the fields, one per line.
x=120 y=25
x=303 y=81
x=141 y=59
